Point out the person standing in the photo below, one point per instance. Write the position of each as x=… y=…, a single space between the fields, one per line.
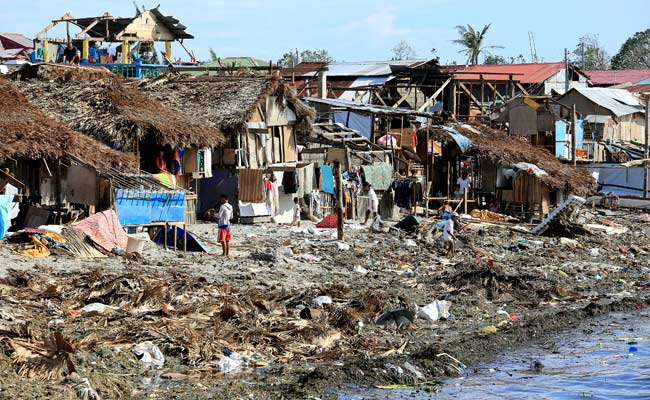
x=449 y=236
x=224 y=217
x=296 y=212
x=373 y=203
x=465 y=184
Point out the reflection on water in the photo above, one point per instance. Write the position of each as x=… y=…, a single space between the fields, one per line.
x=604 y=359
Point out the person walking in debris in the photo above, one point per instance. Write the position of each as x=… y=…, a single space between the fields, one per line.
x=296 y=213
x=373 y=203
x=448 y=235
x=71 y=55
x=224 y=217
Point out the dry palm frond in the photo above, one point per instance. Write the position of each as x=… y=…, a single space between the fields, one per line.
x=48 y=359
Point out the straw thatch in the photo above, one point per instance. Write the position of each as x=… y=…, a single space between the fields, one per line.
x=118 y=114
x=26 y=132
x=501 y=148
x=227 y=102
x=61 y=72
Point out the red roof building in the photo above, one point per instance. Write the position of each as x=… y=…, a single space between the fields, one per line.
x=613 y=77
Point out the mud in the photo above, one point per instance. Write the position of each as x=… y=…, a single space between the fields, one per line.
x=198 y=308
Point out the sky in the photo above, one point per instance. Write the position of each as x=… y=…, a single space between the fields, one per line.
x=362 y=30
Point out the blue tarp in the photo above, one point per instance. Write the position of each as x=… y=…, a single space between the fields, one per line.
x=560 y=139
x=138 y=207
x=358 y=122
x=5 y=205
x=193 y=244
x=327 y=178
x=463 y=142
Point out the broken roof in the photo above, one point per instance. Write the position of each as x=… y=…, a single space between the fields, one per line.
x=225 y=101
x=118 y=114
x=503 y=148
x=25 y=131
x=11 y=40
x=368 y=108
x=619 y=101
x=523 y=73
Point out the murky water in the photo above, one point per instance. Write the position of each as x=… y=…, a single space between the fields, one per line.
x=608 y=358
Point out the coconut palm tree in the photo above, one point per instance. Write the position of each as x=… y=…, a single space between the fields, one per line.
x=472 y=41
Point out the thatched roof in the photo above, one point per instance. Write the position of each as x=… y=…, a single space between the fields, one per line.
x=118 y=114
x=502 y=148
x=227 y=102
x=27 y=132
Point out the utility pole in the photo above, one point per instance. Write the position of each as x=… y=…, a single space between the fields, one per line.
x=566 y=70
x=339 y=200
x=646 y=152
x=573 y=135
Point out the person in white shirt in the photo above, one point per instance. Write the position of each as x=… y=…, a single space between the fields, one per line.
x=449 y=236
x=296 y=212
x=464 y=182
x=373 y=204
x=224 y=217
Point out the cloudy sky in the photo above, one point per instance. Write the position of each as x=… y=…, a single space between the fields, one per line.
x=357 y=30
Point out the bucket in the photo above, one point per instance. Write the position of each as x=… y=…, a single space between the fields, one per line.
x=135 y=244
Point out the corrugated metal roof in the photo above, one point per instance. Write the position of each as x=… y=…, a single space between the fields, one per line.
x=369 y=68
x=524 y=73
x=597 y=119
x=616 y=76
x=17 y=38
x=369 y=108
x=618 y=101
x=645 y=88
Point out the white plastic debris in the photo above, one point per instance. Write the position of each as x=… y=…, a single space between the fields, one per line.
x=231 y=364
x=360 y=270
x=321 y=300
x=595 y=252
x=149 y=354
x=341 y=246
x=439 y=309
x=97 y=309
x=410 y=243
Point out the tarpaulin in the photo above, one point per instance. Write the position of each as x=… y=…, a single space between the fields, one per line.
x=141 y=207
x=379 y=176
x=105 y=230
x=463 y=142
x=358 y=122
x=327 y=179
x=193 y=244
x=5 y=206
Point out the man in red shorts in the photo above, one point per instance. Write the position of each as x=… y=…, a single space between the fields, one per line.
x=224 y=217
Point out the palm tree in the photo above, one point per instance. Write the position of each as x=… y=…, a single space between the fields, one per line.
x=472 y=40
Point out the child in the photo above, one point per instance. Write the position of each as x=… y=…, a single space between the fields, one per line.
x=296 y=213
x=224 y=217
x=448 y=235
x=373 y=203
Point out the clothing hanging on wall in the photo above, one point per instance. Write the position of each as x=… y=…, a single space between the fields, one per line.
x=290 y=182
x=408 y=192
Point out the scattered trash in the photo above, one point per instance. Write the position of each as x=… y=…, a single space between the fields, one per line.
x=231 y=363
x=360 y=270
x=397 y=318
x=487 y=330
x=439 y=309
x=569 y=242
x=414 y=370
x=97 y=309
x=410 y=243
x=149 y=354
x=342 y=246
x=321 y=300
x=633 y=349
x=391 y=367
x=310 y=313
x=595 y=252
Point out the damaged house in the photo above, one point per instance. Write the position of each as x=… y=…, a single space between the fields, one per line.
x=260 y=117
x=39 y=155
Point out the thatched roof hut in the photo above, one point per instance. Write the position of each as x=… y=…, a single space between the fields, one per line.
x=501 y=148
x=27 y=132
x=227 y=102
x=118 y=114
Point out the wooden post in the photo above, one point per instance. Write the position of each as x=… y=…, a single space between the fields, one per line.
x=573 y=135
x=84 y=50
x=482 y=97
x=125 y=51
x=646 y=152
x=339 y=200
x=168 y=49
x=465 y=200
x=46 y=50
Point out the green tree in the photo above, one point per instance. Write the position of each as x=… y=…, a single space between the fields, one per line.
x=403 y=51
x=635 y=52
x=590 y=54
x=310 y=55
x=213 y=55
x=494 y=59
x=472 y=41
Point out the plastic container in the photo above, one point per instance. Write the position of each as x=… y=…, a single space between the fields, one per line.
x=135 y=244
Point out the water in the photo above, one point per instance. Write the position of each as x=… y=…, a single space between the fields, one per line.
x=608 y=358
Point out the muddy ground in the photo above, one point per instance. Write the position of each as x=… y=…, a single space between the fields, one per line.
x=506 y=288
